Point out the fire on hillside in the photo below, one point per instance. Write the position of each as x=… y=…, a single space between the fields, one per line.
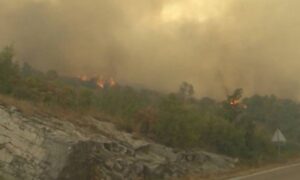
x=100 y=82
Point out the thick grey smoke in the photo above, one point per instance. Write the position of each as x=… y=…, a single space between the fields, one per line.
x=251 y=44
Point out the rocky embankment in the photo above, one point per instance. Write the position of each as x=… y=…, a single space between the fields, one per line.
x=46 y=148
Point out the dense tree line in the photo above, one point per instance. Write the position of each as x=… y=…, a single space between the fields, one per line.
x=237 y=127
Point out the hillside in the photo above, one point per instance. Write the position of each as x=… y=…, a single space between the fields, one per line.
x=239 y=127
x=45 y=147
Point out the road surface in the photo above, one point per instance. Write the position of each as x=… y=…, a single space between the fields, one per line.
x=291 y=172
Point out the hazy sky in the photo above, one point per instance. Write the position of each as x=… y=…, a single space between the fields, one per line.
x=253 y=44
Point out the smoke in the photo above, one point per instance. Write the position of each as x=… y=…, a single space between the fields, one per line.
x=212 y=44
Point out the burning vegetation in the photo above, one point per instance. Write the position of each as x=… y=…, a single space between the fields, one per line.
x=100 y=82
x=234 y=100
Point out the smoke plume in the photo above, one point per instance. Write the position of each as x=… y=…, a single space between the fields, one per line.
x=212 y=44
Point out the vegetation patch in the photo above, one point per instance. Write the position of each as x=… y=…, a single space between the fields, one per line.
x=239 y=127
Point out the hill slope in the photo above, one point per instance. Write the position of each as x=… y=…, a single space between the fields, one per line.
x=43 y=147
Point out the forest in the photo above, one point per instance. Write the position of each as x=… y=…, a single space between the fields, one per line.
x=237 y=126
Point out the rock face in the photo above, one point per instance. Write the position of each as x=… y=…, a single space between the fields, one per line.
x=43 y=148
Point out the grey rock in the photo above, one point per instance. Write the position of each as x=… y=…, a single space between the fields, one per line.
x=47 y=148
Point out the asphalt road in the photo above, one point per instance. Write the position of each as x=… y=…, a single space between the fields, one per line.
x=291 y=172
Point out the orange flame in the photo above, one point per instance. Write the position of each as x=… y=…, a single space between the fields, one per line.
x=101 y=83
x=234 y=102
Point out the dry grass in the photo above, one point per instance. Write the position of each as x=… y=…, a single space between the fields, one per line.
x=28 y=108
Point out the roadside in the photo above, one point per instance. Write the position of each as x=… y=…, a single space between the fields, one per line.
x=279 y=173
x=247 y=171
